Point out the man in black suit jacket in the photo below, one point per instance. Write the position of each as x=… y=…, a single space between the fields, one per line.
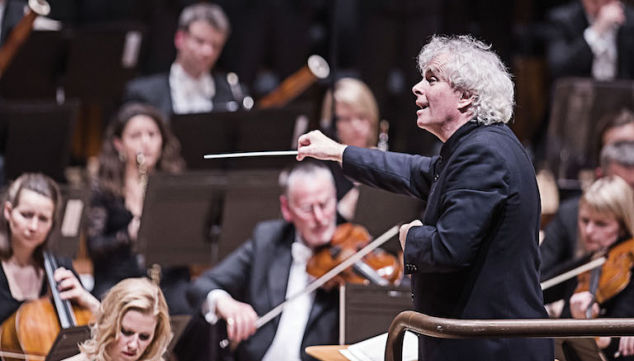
x=191 y=86
x=475 y=253
x=272 y=267
x=586 y=31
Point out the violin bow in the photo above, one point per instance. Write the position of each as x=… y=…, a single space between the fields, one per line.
x=21 y=356
x=330 y=274
x=325 y=278
x=572 y=273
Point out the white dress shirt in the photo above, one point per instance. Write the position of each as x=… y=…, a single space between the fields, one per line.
x=288 y=338
x=604 y=52
x=190 y=95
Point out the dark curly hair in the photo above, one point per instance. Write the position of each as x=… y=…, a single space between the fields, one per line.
x=112 y=170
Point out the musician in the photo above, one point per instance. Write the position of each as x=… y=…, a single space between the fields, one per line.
x=271 y=267
x=30 y=210
x=606 y=219
x=474 y=255
x=591 y=38
x=356 y=122
x=138 y=142
x=560 y=244
x=191 y=86
x=131 y=325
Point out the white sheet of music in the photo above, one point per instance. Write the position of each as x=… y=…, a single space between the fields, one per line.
x=373 y=349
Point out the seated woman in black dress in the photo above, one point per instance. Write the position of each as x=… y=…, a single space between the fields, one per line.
x=138 y=142
x=30 y=210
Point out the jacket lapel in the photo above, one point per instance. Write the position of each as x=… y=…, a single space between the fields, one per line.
x=278 y=272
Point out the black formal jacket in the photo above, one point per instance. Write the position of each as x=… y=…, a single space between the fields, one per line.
x=155 y=90
x=568 y=52
x=114 y=256
x=476 y=255
x=560 y=244
x=257 y=274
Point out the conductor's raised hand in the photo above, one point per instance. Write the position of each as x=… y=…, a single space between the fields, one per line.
x=240 y=318
x=316 y=145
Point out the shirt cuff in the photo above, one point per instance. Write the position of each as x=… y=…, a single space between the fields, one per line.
x=597 y=43
x=209 y=306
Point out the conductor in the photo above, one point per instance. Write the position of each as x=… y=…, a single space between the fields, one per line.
x=474 y=255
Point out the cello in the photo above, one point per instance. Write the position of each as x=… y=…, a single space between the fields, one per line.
x=31 y=331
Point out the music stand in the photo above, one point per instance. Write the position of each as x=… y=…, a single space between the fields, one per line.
x=101 y=60
x=368 y=310
x=34 y=71
x=66 y=236
x=378 y=211
x=181 y=218
x=575 y=121
x=241 y=131
x=66 y=343
x=38 y=137
x=251 y=197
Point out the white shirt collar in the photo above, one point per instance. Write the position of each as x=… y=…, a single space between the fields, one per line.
x=190 y=95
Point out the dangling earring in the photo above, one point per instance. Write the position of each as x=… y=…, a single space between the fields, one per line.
x=122 y=157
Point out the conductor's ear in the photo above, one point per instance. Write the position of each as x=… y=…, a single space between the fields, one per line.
x=465 y=101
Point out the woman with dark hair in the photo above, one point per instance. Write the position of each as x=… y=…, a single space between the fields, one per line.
x=138 y=142
x=30 y=211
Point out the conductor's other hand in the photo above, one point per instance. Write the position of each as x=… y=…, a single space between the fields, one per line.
x=315 y=144
x=402 y=234
x=240 y=318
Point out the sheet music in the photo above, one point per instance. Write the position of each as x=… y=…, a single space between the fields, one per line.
x=373 y=349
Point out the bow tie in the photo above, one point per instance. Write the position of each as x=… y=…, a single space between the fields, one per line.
x=301 y=253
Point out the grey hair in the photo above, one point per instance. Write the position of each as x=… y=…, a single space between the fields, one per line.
x=305 y=168
x=472 y=67
x=211 y=13
x=621 y=153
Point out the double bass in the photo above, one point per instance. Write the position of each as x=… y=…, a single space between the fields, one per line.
x=31 y=331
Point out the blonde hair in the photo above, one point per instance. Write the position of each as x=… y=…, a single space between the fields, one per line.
x=137 y=294
x=359 y=97
x=612 y=195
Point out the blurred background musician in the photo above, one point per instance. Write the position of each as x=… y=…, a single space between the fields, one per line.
x=355 y=122
x=138 y=142
x=30 y=210
x=191 y=86
x=131 y=325
x=270 y=267
x=591 y=38
x=606 y=220
x=561 y=244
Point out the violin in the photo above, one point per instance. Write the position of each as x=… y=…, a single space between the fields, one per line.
x=377 y=267
x=612 y=277
x=33 y=328
x=327 y=276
